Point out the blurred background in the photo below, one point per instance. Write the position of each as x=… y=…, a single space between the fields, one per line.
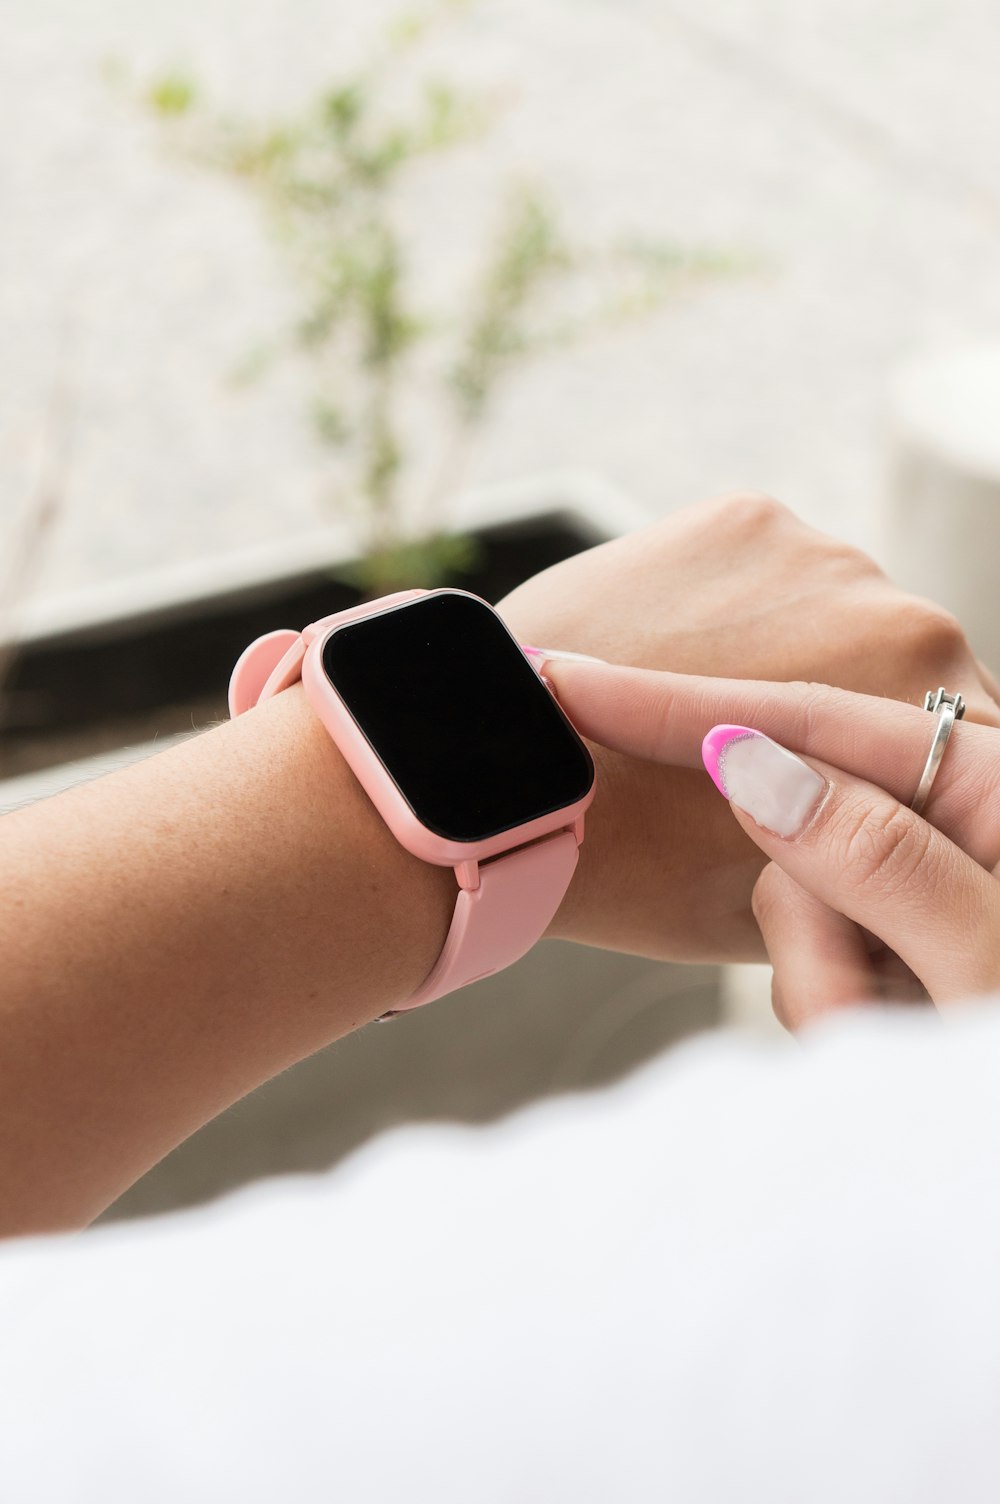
x=299 y=300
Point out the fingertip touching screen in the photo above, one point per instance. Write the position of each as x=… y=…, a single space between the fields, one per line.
x=460 y=720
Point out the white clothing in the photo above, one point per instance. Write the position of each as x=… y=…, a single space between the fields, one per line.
x=747 y=1273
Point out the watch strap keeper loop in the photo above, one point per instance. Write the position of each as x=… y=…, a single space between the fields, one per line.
x=498 y=922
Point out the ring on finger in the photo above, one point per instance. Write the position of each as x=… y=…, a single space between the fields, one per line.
x=948 y=709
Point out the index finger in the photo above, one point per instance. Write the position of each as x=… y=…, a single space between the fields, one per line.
x=662 y=717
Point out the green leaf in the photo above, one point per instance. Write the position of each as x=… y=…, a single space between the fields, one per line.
x=331 y=423
x=529 y=251
x=343 y=108
x=407 y=28
x=416 y=563
x=171 y=95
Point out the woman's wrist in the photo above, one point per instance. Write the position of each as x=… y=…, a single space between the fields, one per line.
x=705 y=916
x=379 y=915
x=237 y=903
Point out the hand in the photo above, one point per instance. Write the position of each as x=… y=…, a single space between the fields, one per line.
x=736 y=587
x=863 y=900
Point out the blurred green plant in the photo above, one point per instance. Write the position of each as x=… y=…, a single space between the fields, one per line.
x=329 y=179
x=172 y=94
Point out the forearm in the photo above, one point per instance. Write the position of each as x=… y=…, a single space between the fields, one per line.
x=180 y=931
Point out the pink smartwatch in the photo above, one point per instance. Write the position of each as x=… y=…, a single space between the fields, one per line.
x=462 y=749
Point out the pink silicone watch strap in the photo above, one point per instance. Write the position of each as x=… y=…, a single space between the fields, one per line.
x=498 y=922
x=504 y=904
x=274 y=662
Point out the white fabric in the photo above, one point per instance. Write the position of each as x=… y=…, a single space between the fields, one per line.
x=748 y=1273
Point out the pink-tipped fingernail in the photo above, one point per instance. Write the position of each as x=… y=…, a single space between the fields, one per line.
x=540 y=654
x=773 y=786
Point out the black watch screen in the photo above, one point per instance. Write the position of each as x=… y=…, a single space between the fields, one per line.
x=457 y=716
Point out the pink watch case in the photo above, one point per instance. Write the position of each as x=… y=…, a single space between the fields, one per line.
x=510 y=884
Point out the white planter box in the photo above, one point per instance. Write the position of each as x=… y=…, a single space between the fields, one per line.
x=597 y=508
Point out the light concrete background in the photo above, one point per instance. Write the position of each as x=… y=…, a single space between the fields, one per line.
x=848 y=152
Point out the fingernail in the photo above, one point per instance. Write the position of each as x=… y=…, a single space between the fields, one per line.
x=771 y=784
x=542 y=653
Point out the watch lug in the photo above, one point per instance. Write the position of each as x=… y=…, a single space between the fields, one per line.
x=578 y=829
x=468 y=875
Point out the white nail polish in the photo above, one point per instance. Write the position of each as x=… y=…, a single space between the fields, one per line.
x=772 y=785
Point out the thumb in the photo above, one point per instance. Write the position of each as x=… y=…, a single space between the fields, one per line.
x=867 y=856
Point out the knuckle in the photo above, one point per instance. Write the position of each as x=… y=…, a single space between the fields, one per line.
x=882 y=849
x=815 y=705
x=752 y=511
x=653 y=714
x=779 y=1004
x=982 y=709
x=769 y=905
x=928 y=630
x=853 y=563
x=812 y=700
x=764 y=897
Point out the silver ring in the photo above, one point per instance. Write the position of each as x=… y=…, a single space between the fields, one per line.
x=948 y=709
